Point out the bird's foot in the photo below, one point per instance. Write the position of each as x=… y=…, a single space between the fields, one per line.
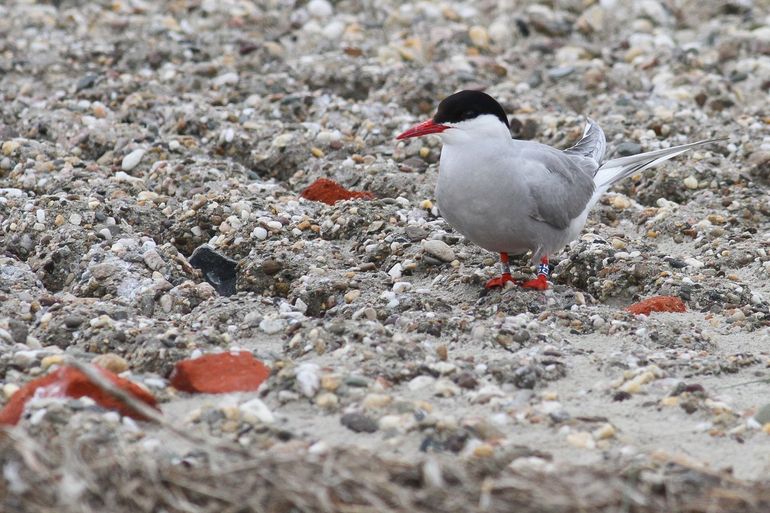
x=500 y=281
x=539 y=283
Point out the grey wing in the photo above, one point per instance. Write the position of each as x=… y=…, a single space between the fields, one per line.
x=561 y=186
x=592 y=145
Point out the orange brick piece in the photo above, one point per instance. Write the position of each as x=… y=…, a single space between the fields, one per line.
x=219 y=373
x=657 y=304
x=330 y=192
x=70 y=382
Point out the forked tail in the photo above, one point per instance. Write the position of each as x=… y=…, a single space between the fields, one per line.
x=616 y=170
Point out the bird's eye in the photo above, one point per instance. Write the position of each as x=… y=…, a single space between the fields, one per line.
x=468 y=114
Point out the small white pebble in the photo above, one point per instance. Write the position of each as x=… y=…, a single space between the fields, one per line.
x=260 y=233
x=319 y=8
x=401 y=286
x=692 y=262
x=132 y=160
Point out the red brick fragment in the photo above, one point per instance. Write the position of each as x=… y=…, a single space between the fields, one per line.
x=330 y=192
x=219 y=373
x=70 y=382
x=657 y=304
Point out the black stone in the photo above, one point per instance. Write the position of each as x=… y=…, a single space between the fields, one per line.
x=86 y=82
x=676 y=263
x=621 y=396
x=217 y=269
x=358 y=423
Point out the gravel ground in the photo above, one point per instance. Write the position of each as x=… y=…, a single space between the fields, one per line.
x=133 y=132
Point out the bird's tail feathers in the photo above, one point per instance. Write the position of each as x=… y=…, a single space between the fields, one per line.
x=616 y=170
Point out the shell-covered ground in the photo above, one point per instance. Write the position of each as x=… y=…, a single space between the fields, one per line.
x=133 y=132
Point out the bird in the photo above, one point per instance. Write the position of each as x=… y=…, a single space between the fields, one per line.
x=512 y=196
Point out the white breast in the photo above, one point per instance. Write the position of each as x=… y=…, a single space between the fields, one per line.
x=477 y=195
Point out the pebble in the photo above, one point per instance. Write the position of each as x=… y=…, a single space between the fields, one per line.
x=74 y=321
x=438 y=249
x=320 y=8
x=24 y=358
x=592 y=19
x=620 y=202
x=401 y=286
x=487 y=393
x=272 y=325
x=581 y=440
x=228 y=78
x=627 y=148
x=132 y=160
x=560 y=72
x=330 y=382
x=357 y=381
x=421 y=382
x=6 y=336
x=9 y=389
x=483 y=450
x=327 y=400
x=604 y=432
x=479 y=36
x=254 y=411
x=359 y=423
x=376 y=401
x=694 y=262
x=352 y=295
x=50 y=360
x=445 y=388
x=308 y=379
x=153 y=260
x=111 y=362
x=10 y=147
x=670 y=401
x=634 y=385
x=260 y=233
x=691 y=182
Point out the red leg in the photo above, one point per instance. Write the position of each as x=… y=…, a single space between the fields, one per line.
x=504 y=278
x=541 y=282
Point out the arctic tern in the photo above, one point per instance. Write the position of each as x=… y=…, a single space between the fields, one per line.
x=512 y=196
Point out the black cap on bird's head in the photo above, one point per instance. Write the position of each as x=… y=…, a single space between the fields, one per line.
x=459 y=107
x=467 y=105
